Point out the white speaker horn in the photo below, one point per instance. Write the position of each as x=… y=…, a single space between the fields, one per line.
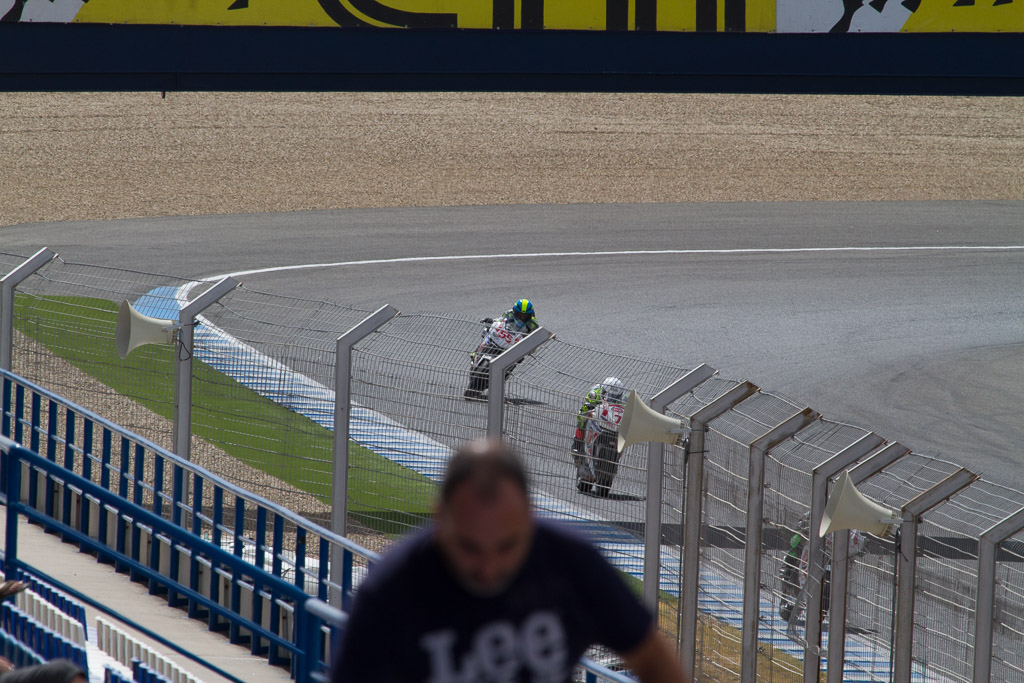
x=848 y=508
x=135 y=329
x=640 y=423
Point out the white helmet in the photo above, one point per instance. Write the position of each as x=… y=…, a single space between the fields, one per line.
x=612 y=389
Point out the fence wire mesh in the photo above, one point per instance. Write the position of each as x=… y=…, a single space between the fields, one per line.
x=263 y=405
x=872 y=575
x=263 y=393
x=787 y=570
x=721 y=557
x=9 y=262
x=727 y=467
x=65 y=319
x=592 y=487
x=1008 y=615
x=410 y=376
x=944 y=614
x=674 y=491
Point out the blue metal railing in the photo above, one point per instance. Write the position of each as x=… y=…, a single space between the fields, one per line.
x=85 y=468
x=302 y=646
x=138 y=470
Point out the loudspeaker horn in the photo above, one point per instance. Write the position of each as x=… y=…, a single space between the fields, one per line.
x=640 y=423
x=848 y=508
x=135 y=329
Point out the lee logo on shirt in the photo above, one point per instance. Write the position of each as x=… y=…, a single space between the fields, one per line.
x=499 y=651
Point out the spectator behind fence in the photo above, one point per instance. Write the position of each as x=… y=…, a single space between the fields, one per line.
x=57 y=671
x=490 y=593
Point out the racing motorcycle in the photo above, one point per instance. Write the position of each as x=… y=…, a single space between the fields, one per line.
x=793 y=573
x=499 y=336
x=597 y=465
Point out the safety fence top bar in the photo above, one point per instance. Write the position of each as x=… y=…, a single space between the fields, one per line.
x=40 y=258
x=226 y=485
x=1002 y=530
x=939 y=492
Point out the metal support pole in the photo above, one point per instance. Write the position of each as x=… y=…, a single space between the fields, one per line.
x=841 y=563
x=903 y=648
x=755 y=523
x=655 y=474
x=12 y=465
x=816 y=547
x=342 y=411
x=987 y=547
x=7 y=285
x=689 y=594
x=505 y=360
x=182 y=442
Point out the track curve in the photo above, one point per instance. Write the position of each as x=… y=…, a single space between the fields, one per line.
x=922 y=346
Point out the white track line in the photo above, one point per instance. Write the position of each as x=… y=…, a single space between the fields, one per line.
x=639 y=252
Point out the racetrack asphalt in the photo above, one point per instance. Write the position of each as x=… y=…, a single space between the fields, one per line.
x=922 y=346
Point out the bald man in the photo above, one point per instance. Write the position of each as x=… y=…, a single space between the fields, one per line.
x=489 y=593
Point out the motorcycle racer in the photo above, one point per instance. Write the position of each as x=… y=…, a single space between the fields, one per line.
x=612 y=390
x=511 y=326
x=520 y=316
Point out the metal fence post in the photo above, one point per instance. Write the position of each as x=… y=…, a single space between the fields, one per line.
x=816 y=547
x=655 y=473
x=754 y=528
x=7 y=286
x=182 y=443
x=692 y=519
x=903 y=646
x=504 y=361
x=342 y=410
x=988 y=546
x=841 y=563
x=11 y=464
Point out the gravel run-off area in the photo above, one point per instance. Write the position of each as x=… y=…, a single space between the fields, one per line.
x=81 y=156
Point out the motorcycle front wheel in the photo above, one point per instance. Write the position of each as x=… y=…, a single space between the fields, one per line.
x=606 y=467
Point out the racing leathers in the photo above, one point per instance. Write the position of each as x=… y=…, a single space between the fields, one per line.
x=592 y=400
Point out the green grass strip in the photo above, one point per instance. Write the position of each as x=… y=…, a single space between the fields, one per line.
x=250 y=427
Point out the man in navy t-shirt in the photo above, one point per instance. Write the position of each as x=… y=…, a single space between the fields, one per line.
x=490 y=594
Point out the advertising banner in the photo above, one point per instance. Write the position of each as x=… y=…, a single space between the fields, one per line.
x=783 y=16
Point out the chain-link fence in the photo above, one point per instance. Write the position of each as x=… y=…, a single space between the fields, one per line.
x=9 y=262
x=262 y=392
x=1008 y=617
x=65 y=318
x=263 y=401
x=408 y=379
x=787 y=567
x=873 y=589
